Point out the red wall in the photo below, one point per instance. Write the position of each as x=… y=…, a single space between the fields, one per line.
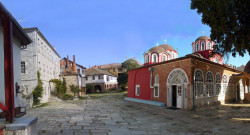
x=139 y=77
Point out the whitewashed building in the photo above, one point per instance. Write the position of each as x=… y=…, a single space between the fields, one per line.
x=101 y=80
x=40 y=56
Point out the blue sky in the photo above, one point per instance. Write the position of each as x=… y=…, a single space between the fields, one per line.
x=108 y=31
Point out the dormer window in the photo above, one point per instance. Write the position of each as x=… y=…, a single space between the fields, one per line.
x=202 y=46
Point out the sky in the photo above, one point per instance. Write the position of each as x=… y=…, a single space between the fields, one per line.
x=110 y=31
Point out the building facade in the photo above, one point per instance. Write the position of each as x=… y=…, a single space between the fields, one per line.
x=100 y=79
x=193 y=81
x=40 y=56
x=12 y=37
x=73 y=73
x=114 y=68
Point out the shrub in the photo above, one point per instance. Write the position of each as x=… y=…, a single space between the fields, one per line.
x=60 y=87
x=74 y=89
x=67 y=97
x=38 y=91
x=89 y=88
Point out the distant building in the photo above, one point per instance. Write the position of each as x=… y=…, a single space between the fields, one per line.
x=101 y=80
x=73 y=73
x=40 y=56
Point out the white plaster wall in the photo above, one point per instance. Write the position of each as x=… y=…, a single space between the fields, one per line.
x=90 y=80
x=2 y=84
x=112 y=78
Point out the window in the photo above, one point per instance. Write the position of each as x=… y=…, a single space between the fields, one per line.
x=156 y=86
x=164 y=57
x=208 y=45
x=137 y=90
x=231 y=85
x=99 y=77
x=146 y=59
x=218 y=83
x=198 y=83
x=113 y=69
x=210 y=84
x=93 y=77
x=197 y=46
x=107 y=78
x=224 y=84
x=202 y=46
x=24 y=47
x=23 y=67
x=154 y=58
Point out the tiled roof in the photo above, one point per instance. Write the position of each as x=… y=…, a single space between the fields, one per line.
x=203 y=38
x=94 y=71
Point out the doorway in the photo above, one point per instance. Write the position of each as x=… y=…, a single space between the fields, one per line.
x=238 y=93
x=174 y=89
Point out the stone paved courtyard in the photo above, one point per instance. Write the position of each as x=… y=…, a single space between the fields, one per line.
x=111 y=115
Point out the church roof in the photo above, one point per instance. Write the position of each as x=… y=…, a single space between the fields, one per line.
x=161 y=48
x=196 y=55
x=203 y=38
x=247 y=67
x=94 y=71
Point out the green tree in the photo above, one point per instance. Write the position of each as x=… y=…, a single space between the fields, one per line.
x=61 y=88
x=64 y=86
x=74 y=89
x=229 y=21
x=123 y=77
x=89 y=88
x=38 y=91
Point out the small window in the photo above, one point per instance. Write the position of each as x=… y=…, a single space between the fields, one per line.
x=24 y=47
x=137 y=91
x=93 y=77
x=209 y=45
x=154 y=58
x=197 y=46
x=156 y=91
x=113 y=69
x=99 y=77
x=164 y=58
x=23 y=67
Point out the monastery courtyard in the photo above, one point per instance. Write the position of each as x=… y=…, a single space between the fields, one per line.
x=111 y=115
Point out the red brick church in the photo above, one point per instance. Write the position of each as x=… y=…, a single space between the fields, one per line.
x=196 y=80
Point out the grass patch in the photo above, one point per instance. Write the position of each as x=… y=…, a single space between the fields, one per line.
x=113 y=95
x=82 y=98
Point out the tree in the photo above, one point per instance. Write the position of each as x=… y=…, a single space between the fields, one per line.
x=64 y=86
x=74 y=89
x=89 y=88
x=229 y=21
x=38 y=91
x=123 y=77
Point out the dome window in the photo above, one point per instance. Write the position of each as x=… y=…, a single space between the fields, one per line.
x=164 y=58
x=154 y=58
x=209 y=45
x=197 y=46
x=202 y=46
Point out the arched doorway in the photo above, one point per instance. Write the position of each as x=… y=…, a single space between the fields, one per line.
x=177 y=88
x=98 y=88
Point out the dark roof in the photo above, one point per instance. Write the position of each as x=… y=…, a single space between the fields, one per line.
x=39 y=32
x=203 y=38
x=94 y=71
x=17 y=29
x=161 y=48
x=247 y=67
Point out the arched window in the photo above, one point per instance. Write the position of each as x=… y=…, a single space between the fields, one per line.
x=154 y=58
x=210 y=83
x=164 y=58
x=198 y=83
x=202 y=46
x=156 y=86
x=230 y=85
x=224 y=83
x=208 y=45
x=218 y=83
x=197 y=46
x=173 y=55
x=146 y=59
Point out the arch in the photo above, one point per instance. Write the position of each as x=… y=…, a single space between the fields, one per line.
x=197 y=46
x=203 y=46
x=98 y=88
x=224 y=80
x=230 y=85
x=177 y=82
x=218 y=83
x=210 y=83
x=177 y=76
x=154 y=57
x=164 y=57
x=156 y=86
x=198 y=83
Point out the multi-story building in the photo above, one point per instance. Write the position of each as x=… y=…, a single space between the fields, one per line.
x=101 y=80
x=40 y=56
x=114 y=68
x=73 y=73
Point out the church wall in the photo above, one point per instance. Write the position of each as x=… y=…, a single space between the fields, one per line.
x=139 y=77
x=163 y=71
x=223 y=96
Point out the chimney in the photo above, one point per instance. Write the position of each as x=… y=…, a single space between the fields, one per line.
x=74 y=64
